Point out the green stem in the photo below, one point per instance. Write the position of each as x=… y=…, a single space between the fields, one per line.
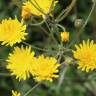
x=62 y=13
x=32 y=89
x=5 y=74
x=61 y=27
x=48 y=26
x=46 y=50
x=51 y=32
x=38 y=24
x=35 y=47
x=61 y=78
x=67 y=12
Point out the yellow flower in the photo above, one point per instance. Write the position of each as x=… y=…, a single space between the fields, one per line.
x=86 y=55
x=26 y=12
x=38 y=8
x=12 y=31
x=64 y=36
x=15 y=93
x=19 y=62
x=45 y=68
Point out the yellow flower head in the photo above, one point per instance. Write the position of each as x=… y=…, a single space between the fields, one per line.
x=12 y=31
x=15 y=93
x=36 y=7
x=45 y=68
x=19 y=62
x=86 y=55
x=26 y=11
x=64 y=36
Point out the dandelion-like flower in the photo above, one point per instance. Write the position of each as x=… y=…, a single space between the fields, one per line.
x=15 y=93
x=37 y=7
x=12 y=31
x=64 y=36
x=19 y=62
x=86 y=55
x=45 y=68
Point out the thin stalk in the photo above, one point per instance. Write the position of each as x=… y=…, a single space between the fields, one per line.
x=63 y=28
x=5 y=74
x=61 y=78
x=46 y=50
x=32 y=89
x=67 y=12
x=39 y=23
x=48 y=26
x=62 y=13
x=35 y=47
x=51 y=32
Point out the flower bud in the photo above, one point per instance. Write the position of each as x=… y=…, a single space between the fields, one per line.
x=64 y=36
x=78 y=23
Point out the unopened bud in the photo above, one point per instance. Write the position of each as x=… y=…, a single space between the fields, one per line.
x=78 y=23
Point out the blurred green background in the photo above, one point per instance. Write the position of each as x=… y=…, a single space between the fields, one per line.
x=75 y=83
